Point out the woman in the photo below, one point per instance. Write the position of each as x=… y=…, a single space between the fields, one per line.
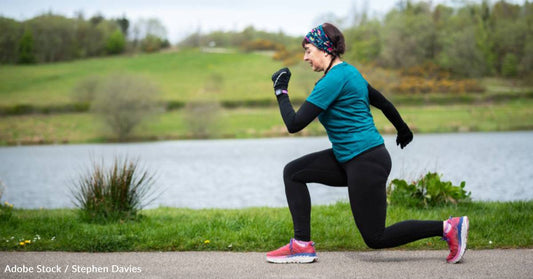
x=358 y=157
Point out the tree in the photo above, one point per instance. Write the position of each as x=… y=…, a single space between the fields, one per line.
x=116 y=43
x=483 y=41
x=53 y=37
x=151 y=43
x=26 y=55
x=151 y=34
x=155 y=28
x=526 y=63
x=96 y=19
x=463 y=42
x=408 y=36
x=124 y=101
x=460 y=54
x=9 y=39
x=124 y=24
x=509 y=32
x=510 y=65
x=364 y=41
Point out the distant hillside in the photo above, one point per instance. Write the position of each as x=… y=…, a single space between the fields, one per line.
x=180 y=76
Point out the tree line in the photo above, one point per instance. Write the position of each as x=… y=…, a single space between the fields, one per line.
x=52 y=38
x=471 y=40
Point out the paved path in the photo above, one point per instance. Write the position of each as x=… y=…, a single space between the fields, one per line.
x=375 y=264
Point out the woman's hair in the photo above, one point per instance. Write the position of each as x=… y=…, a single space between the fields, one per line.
x=335 y=36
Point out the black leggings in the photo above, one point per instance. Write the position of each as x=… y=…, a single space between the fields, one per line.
x=366 y=177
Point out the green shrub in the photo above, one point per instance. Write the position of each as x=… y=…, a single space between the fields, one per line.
x=85 y=90
x=174 y=105
x=116 y=43
x=20 y=109
x=429 y=191
x=117 y=193
x=202 y=118
x=123 y=101
x=151 y=43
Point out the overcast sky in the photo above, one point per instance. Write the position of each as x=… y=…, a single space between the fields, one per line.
x=182 y=18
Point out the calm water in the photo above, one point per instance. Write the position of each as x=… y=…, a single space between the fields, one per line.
x=245 y=173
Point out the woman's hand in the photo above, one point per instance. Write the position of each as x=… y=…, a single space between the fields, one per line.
x=281 y=81
x=405 y=136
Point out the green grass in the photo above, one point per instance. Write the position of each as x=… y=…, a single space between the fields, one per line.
x=493 y=225
x=180 y=76
x=189 y=74
x=261 y=122
x=513 y=115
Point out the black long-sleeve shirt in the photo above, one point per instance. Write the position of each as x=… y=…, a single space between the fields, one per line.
x=296 y=121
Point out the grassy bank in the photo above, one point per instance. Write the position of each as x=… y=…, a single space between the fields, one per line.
x=260 y=122
x=493 y=225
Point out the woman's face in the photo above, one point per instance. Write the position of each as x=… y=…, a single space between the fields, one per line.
x=315 y=57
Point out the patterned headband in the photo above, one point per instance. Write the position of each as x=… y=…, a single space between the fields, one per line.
x=318 y=38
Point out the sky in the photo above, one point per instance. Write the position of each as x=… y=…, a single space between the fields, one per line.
x=182 y=18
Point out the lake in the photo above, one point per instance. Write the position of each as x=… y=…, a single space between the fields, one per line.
x=248 y=172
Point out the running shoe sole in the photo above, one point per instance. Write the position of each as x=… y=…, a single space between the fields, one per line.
x=293 y=259
x=463 y=232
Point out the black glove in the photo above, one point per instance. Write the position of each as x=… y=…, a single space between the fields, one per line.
x=281 y=81
x=405 y=136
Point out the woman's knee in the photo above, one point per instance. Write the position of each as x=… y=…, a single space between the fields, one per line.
x=374 y=242
x=290 y=169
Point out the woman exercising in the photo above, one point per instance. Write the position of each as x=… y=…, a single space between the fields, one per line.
x=358 y=157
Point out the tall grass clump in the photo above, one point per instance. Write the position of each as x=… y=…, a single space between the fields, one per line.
x=428 y=191
x=116 y=193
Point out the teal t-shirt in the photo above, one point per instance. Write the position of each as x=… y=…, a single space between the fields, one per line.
x=343 y=95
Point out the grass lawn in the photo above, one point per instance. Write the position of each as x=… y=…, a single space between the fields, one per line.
x=492 y=225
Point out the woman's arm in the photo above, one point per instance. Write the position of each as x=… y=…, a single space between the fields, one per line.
x=379 y=101
x=296 y=121
x=376 y=99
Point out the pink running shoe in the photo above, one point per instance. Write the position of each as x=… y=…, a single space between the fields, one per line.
x=294 y=252
x=456 y=234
